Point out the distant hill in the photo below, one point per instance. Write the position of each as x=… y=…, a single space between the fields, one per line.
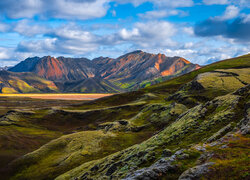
x=105 y=74
x=91 y=85
x=4 y=68
x=11 y=82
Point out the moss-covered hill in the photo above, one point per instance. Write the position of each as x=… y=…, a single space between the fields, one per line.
x=194 y=126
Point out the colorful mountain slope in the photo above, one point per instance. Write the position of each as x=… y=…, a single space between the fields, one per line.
x=127 y=72
x=57 y=69
x=136 y=67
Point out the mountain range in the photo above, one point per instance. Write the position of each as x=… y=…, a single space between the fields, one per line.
x=101 y=75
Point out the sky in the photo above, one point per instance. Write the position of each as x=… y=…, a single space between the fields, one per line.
x=202 y=31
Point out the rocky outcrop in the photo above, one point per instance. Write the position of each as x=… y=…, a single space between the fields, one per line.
x=159 y=168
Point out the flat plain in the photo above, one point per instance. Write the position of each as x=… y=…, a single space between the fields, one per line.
x=58 y=96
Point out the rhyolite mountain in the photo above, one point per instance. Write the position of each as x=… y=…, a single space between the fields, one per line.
x=58 y=69
x=114 y=75
x=139 y=66
x=194 y=126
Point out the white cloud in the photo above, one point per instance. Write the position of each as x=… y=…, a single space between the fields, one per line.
x=241 y=3
x=72 y=39
x=188 y=30
x=230 y=13
x=87 y=9
x=27 y=28
x=246 y=18
x=4 y=53
x=211 y=2
x=160 y=3
x=162 y=14
x=126 y=34
x=152 y=36
x=173 y=3
x=153 y=33
x=4 y=27
x=19 y=9
x=74 y=9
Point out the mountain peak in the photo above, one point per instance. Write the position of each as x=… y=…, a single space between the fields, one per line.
x=136 y=52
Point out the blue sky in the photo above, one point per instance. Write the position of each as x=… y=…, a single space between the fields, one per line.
x=202 y=31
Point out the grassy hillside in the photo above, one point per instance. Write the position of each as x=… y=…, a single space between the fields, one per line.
x=192 y=126
x=11 y=82
x=174 y=84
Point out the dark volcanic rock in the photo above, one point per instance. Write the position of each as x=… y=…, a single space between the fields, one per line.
x=153 y=172
x=158 y=169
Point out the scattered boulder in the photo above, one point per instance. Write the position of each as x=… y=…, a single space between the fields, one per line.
x=154 y=172
x=196 y=172
x=159 y=168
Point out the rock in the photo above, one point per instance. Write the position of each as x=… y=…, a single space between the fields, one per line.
x=112 y=169
x=123 y=122
x=224 y=146
x=84 y=177
x=242 y=91
x=244 y=124
x=183 y=156
x=95 y=168
x=196 y=86
x=154 y=172
x=204 y=157
x=158 y=169
x=200 y=148
x=166 y=153
x=196 y=172
x=105 y=126
x=220 y=133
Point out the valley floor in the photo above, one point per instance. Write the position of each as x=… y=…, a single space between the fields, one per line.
x=59 y=96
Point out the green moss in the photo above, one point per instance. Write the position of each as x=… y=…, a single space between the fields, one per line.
x=231 y=162
x=174 y=84
x=193 y=127
x=70 y=151
x=183 y=165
